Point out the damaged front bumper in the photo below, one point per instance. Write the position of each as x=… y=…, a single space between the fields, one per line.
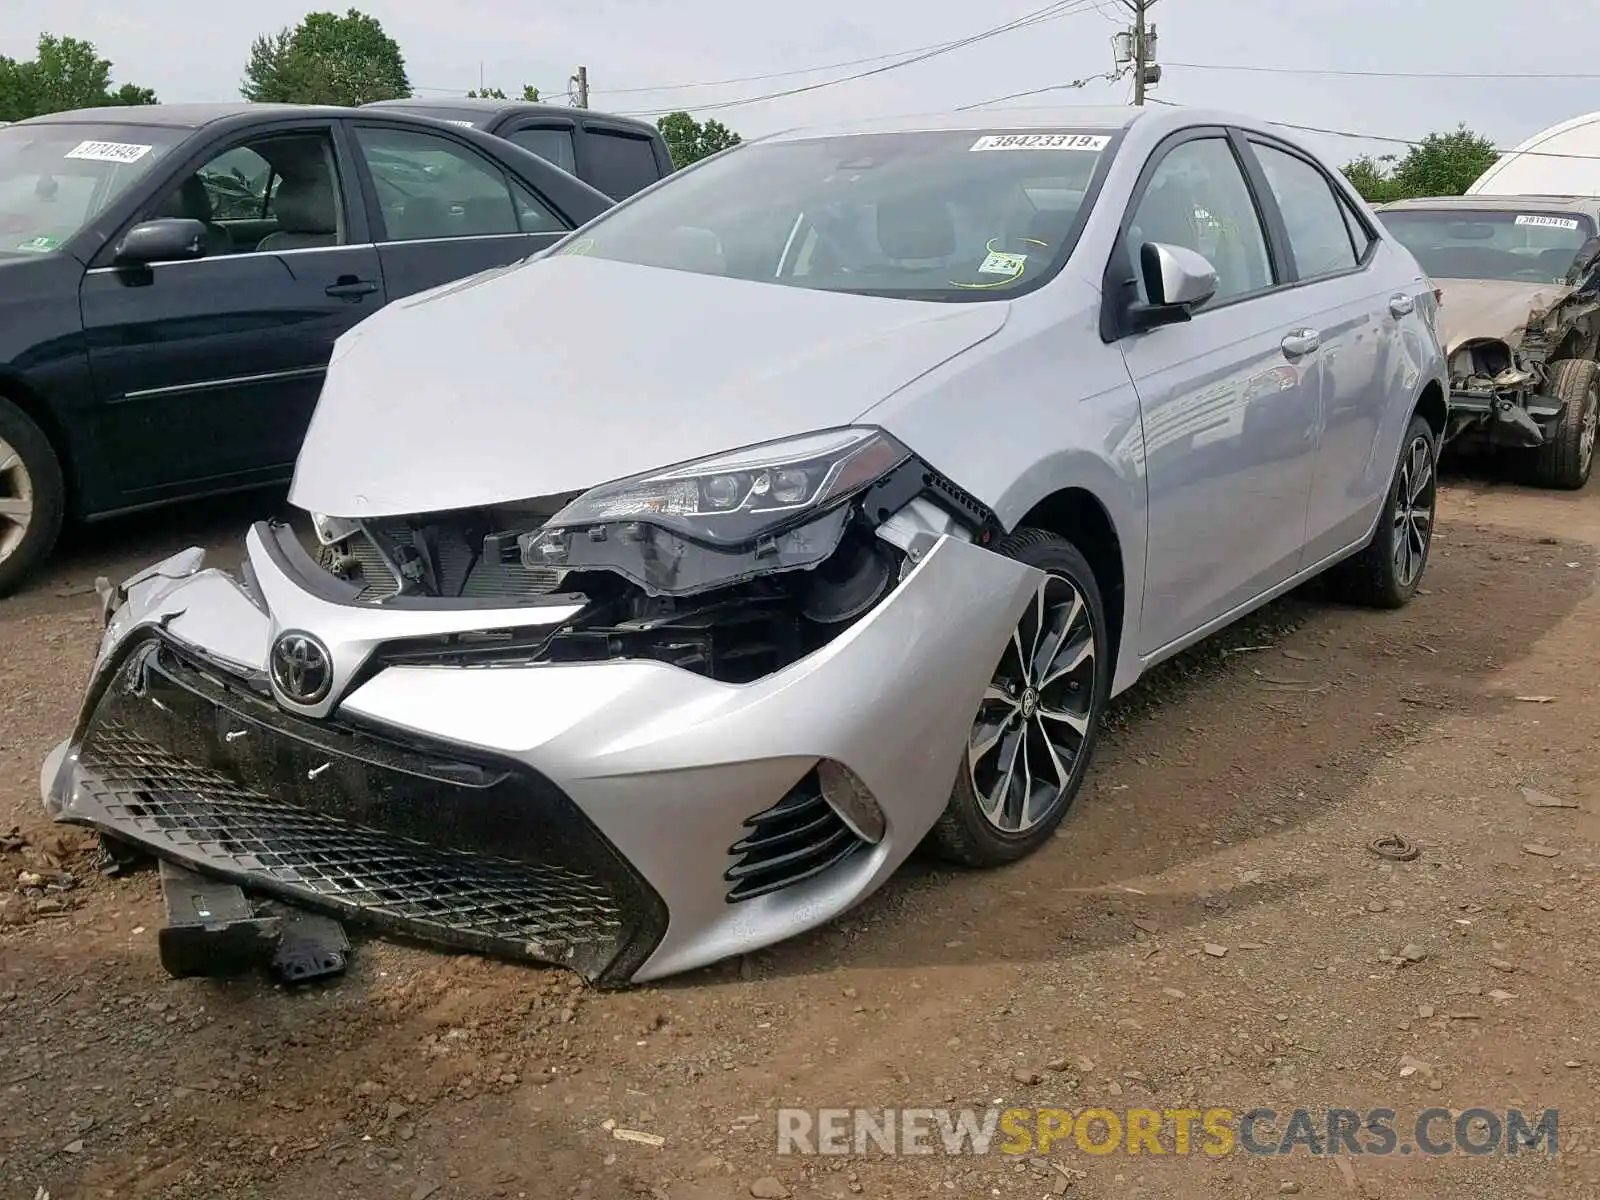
x=628 y=819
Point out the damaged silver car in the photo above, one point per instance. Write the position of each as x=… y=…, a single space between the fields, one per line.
x=657 y=597
x=1519 y=278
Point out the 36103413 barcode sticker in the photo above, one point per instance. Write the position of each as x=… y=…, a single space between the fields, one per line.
x=114 y=152
x=1545 y=222
x=1041 y=141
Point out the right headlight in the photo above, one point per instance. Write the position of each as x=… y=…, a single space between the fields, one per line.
x=733 y=498
x=712 y=521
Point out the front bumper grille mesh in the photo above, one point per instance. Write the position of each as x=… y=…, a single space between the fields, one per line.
x=193 y=809
x=478 y=854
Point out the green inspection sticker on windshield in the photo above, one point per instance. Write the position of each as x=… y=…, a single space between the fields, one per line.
x=39 y=245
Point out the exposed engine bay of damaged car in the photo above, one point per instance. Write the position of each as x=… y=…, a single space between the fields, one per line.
x=734 y=611
x=1505 y=341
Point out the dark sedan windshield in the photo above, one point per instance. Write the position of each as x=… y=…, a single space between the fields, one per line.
x=1466 y=243
x=944 y=215
x=56 y=178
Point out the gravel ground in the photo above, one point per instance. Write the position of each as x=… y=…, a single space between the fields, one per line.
x=1208 y=930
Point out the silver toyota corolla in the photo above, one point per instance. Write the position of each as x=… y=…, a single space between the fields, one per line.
x=668 y=590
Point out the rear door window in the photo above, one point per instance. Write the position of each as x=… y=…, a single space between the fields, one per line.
x=619 y=164
x=431 y=187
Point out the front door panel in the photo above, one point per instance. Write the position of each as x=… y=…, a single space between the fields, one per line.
x=209 y=370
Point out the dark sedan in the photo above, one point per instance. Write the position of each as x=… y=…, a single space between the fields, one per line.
x=173 y=277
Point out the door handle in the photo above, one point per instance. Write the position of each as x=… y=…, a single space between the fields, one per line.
x=351 y=287
x=1299 y=342
x=1400 y=304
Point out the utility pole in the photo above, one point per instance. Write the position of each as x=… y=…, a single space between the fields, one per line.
x=579 y=84
x=1140 y=46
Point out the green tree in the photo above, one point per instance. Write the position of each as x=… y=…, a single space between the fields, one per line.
x=690 y=140
x=130 y=93
x=1370 y=177
x=529 y=93
x=1442 y=164
x=326 y=59
x=66 y=73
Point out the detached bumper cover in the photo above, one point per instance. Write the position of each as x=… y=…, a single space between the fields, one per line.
x=627 y=819
x=483 y=856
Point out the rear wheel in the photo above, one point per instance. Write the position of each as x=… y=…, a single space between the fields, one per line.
x=1387 y=573
x=1567 y=457
x=1035 y=729
x=32 y=496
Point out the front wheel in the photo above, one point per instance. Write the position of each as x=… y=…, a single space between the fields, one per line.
x=1388 y=571
x=1567 y=457
x=32 y=496
x=1035 y=729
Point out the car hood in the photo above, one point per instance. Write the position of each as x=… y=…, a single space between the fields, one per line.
x=1490 y=308
x=563 y=373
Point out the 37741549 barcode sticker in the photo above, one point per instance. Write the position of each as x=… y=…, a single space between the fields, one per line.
x=1545 y=222
x=116 y=152
x=1041 y=141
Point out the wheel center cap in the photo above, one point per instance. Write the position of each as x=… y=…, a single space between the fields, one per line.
x=1030 y=702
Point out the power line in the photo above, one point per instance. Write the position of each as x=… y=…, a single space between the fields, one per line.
x=1049 y=12
x=1108 y=76
x=838 y=66
x=1386 y=74
x=1398 y=141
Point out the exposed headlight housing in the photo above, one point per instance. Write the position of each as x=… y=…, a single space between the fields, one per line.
x=731 y=499
x=715 y=520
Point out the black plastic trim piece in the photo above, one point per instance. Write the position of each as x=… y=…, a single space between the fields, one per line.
x=915 y=479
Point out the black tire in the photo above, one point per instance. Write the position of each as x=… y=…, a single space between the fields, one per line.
x=964 y=834
x=1378 y=576
x=41 y=469
x=1564 y=461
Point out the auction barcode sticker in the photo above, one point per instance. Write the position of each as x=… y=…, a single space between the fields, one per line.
x=1545 y=222
x=1042 y=141
x=117 y=152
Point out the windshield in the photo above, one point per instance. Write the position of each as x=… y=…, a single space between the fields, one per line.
x=946 y=215
x=1458 y=243
x=55 y=179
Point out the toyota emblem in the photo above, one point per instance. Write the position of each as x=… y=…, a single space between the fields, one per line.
x=302 y=669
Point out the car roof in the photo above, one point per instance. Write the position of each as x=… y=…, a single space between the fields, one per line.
x=1065 y=118
x=1589 y=205
x=175 y=116
x=483 y=111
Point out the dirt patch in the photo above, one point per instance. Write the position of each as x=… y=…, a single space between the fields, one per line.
x=1230 y=810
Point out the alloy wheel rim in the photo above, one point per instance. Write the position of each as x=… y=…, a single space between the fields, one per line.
x=1027 y=743
x=1586 y=431
x=1413 y=510
x=16 y=500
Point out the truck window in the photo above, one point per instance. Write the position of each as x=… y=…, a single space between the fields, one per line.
x=620 y=164
x=552 y=145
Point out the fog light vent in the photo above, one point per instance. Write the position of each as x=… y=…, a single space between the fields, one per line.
x=798 y=838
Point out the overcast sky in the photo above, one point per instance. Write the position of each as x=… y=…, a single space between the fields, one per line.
x=196 y=50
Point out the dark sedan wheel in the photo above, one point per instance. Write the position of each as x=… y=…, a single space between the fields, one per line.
x=1035 y=728
x=1387 y=573
x=32 y=497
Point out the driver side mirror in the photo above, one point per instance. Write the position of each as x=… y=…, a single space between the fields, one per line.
x=166 y=239
x=1176 y=279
